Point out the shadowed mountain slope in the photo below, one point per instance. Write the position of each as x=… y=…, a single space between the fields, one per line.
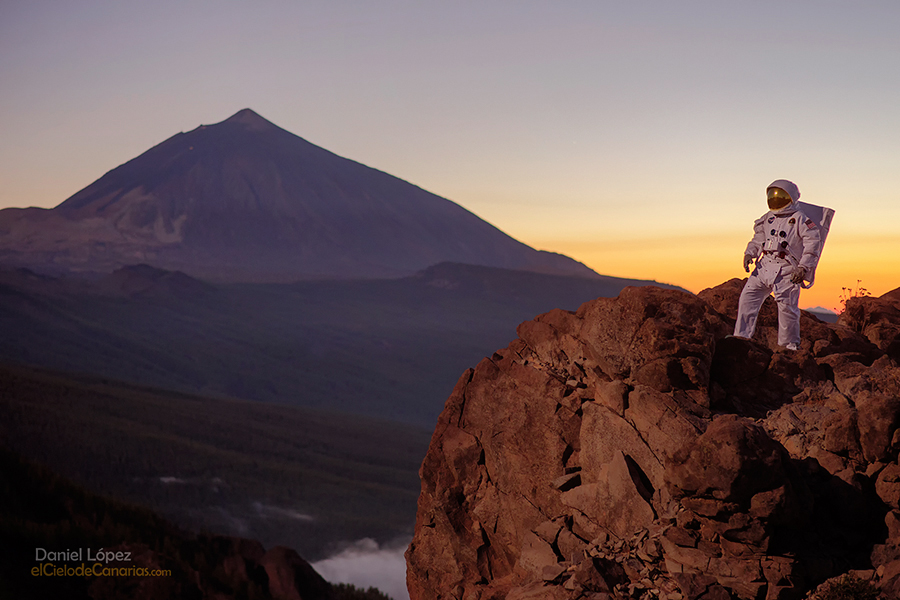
x=389 y=348
x=244 y=200
x=40 y=510
x=288 y=476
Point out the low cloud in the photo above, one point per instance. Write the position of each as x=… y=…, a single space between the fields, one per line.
x=167 y=480
x=170 y=480
x=268 y=511
x=366 y=564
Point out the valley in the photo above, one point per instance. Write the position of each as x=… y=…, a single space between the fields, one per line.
x=303 y=478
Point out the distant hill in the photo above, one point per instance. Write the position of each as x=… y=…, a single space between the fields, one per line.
x=244 y=200
x=389 y=348
x=824 y=314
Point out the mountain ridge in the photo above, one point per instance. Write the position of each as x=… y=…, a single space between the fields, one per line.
x=388 y=347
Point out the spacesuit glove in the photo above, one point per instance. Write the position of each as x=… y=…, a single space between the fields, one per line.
x=798 y=275
x=748 y=260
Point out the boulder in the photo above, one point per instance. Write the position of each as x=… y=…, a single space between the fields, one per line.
x=732 y=461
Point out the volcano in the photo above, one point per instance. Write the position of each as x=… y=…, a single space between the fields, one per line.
x=247 y=201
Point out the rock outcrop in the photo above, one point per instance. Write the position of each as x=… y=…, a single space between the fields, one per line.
x=632 y=450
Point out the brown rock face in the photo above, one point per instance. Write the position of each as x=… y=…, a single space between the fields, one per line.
x=631 y=450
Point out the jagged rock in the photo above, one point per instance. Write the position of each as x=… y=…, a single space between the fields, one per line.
x=876 y=318
x=536 y=555
x=888 y=486
x=630 y=450
x=876 y=395
x=291 y=577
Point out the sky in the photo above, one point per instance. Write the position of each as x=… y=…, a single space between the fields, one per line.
x=637 y=137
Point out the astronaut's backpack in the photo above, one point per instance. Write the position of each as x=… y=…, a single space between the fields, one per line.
x=821 y=216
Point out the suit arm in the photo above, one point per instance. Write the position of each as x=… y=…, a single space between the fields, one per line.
x=754 y=248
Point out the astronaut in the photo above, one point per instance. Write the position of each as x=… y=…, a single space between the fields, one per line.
x=785 y=246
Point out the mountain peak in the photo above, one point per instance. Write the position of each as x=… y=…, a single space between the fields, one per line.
x=245 y=200
x=251 y=120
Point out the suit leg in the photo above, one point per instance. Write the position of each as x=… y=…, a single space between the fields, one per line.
x=752 y=297
x=787 y=297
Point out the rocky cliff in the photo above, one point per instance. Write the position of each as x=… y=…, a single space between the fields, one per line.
x=631 y=450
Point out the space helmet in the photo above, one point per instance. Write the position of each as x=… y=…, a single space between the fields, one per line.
x=781 y=193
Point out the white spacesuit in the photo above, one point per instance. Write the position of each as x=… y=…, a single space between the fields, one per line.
x=786 y=245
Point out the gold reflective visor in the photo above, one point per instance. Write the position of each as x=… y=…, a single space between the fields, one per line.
x=777 y=198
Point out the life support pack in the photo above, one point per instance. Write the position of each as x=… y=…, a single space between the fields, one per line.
x=821 y=216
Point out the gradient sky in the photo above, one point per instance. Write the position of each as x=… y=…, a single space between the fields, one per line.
x=637 y=137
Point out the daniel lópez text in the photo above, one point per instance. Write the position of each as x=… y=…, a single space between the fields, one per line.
x=87 y=562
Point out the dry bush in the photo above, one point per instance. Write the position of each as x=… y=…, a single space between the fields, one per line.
x=848 y=587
